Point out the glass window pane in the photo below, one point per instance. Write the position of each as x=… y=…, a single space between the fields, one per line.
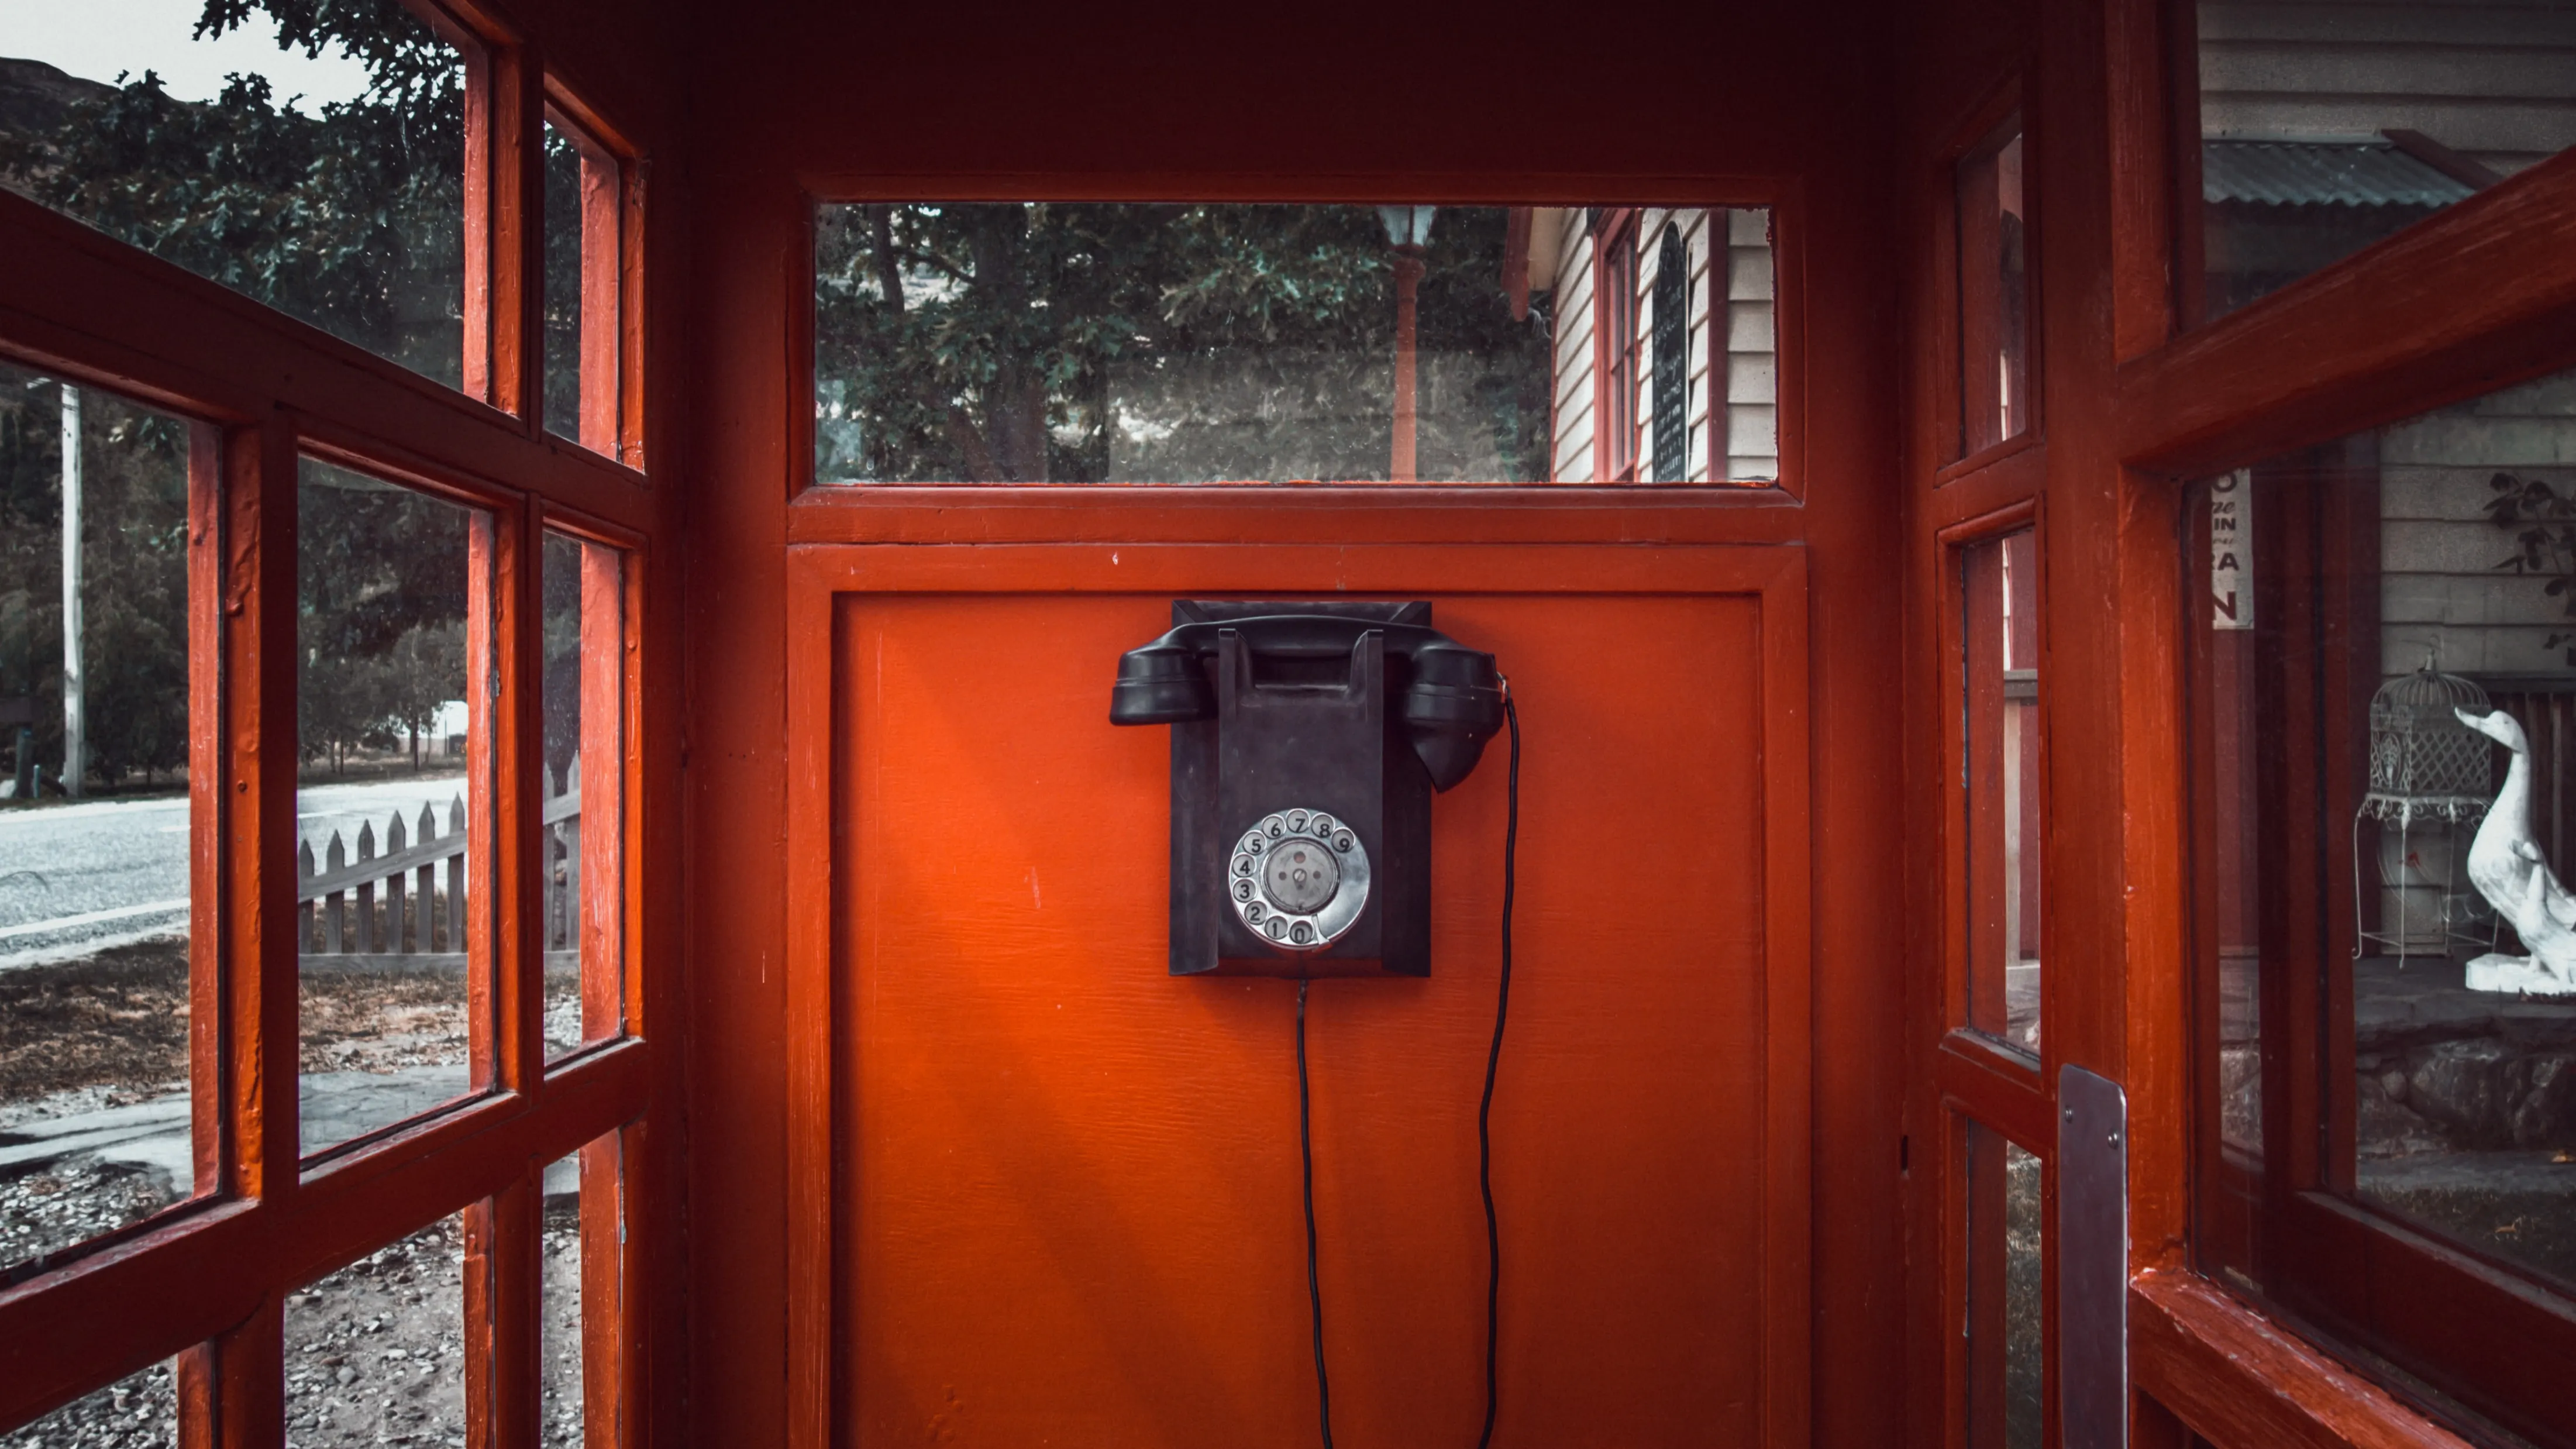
x=1053 y=342
x=581 y=1272
x=1999 y=592
x=2388 y=684
x=375 y=1353
x=2238 y=1018
x=139 y=1411
x=2328 y=124
x=95 y=1126
x=2006 y=1340
x=585 y=683
x=391 y=597
x=563 y=284
x=559 y=1370
x=326 y=180
x=1994 y=293
x=1614 y=301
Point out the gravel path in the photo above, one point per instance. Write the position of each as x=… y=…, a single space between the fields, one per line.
x=374 y=1355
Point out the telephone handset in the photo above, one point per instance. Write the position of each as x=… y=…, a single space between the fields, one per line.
x=1307 y=741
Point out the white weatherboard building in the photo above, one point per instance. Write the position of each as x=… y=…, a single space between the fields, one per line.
x=1604 y=268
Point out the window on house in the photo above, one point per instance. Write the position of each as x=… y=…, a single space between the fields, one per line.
x=323 y=176
x=98 y=980
x=2001 y=771
x=1993 y=252
x=1092 y=343
x=2326 y=125
x=1668 y=382
x=1614 y=302
x=2385 y=700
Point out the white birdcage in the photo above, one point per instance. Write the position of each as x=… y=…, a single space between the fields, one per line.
x=2431 y=780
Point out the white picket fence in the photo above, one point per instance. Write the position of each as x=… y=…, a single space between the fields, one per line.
x=401 y=899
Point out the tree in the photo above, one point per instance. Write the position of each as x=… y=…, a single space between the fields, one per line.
x=134 y=573
x=351 y=220
x=1088 y=342
x=381 y=605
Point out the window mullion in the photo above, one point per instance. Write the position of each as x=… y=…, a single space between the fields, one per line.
x=501 y=1316
x=610 y=1334
x=259 y=883
x=603 y=320
x=233 y=1390
x=504 y=231
x=504 y=742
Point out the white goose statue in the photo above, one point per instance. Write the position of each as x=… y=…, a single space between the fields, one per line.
x=2505 y=865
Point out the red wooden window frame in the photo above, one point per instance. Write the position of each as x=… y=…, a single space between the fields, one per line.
x=1981 y=296
x=612 y=277
x=1973 y=1272
x=1949 y=334
x=1960 y=1075
x=1614 y=346
x=827 y=512
x=206 y=1280
x=1975 y=1077
x=1976 y=931
x=2377 y=336
x=2478 y=1333
x=2473 y=298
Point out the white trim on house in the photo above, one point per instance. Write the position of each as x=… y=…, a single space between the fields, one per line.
x=1743 y=415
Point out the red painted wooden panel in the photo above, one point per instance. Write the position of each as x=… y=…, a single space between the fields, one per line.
x=1069 y=1183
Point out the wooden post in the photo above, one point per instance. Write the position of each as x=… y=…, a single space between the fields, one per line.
x=394 y=843
x=569 y=890
x=303 y=908
x=550 y=833
x=425 y=886
x=1408 y=275
x=366 y=890
x=335 y=910
x=456 y=877
x=75 y=726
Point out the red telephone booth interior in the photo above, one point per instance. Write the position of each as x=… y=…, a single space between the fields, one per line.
x=568 y=880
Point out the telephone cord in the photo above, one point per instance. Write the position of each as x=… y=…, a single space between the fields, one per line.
x=1314 y=1286
x=1484 y=1132
x=1493 y=1063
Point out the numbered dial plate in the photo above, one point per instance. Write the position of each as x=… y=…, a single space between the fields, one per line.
x=1298 y=879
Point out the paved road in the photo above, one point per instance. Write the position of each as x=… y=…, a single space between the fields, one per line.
x=75 y=878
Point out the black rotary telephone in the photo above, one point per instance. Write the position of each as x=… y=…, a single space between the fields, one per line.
x=1307 y=741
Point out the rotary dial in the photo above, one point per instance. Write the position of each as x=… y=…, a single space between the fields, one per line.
x=1298 y=879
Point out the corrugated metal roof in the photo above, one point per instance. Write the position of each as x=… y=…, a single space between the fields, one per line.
x=2321 y=173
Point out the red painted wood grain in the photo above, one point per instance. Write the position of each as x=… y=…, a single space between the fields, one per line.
x=1069 y=1182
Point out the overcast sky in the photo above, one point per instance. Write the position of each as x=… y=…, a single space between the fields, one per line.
x=98 y=38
